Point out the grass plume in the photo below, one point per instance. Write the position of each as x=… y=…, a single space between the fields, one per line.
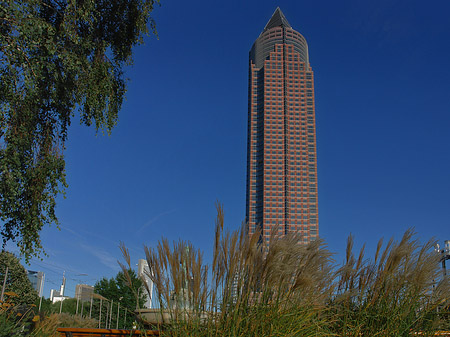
x=284 y=288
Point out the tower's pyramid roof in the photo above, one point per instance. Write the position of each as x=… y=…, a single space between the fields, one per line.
x=277 y=20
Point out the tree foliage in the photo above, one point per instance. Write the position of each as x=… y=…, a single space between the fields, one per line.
x=57 y=57
x=17 y=280
x=119 y=289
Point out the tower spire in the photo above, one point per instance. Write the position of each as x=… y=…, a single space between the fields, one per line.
x=277 y=20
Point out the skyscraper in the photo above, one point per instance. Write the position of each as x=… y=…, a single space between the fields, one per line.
x=281 y=153
x=37 y=280
x=143 y=273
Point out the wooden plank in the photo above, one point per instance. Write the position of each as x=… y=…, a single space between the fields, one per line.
x=87 y=332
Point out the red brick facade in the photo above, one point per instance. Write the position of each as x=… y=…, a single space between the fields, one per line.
x=282 y=160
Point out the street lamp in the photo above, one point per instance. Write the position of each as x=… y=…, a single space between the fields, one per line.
x=445 y=254
x=78 y=295
x=118 y=308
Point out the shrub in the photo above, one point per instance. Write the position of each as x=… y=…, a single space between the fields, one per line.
x=15 y=319
x=17 y=280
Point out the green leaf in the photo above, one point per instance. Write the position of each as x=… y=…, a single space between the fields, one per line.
x=57 y=59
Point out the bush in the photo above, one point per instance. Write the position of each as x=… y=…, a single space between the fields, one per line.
x=17 y=280
x=15 y=319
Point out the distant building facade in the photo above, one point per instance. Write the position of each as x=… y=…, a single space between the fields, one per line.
x=143 y=273
x=58 y=295
x=281 y=152
x=55 y=296
x=37 y=280
x=83 y=292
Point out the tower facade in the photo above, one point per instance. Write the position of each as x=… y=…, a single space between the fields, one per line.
x=281 y=153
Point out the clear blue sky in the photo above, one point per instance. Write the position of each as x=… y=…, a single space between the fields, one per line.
x=382 y=87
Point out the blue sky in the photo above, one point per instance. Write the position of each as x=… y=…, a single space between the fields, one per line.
x=382 y=88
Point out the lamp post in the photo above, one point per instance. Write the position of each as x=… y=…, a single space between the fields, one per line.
x=445 y=255
x=41 y=290
x=78 y=293
x=118 y=309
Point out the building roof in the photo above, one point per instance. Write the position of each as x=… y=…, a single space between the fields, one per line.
x=277 y=20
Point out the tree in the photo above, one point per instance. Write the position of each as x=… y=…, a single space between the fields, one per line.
x=17 y=280
x=118 y=290
x=46 y=305
x=57 y=57
x=69 y=306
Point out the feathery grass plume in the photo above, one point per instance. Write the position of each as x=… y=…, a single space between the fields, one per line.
x=285 y=288
x=128 y=280
x=46 y=327
x=391 y=296
x=251 y=289
x=126 y=274
x=126 y=256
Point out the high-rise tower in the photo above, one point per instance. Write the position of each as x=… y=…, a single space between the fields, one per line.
x=281 y=154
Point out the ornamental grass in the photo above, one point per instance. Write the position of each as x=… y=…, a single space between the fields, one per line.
x=286 y=288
